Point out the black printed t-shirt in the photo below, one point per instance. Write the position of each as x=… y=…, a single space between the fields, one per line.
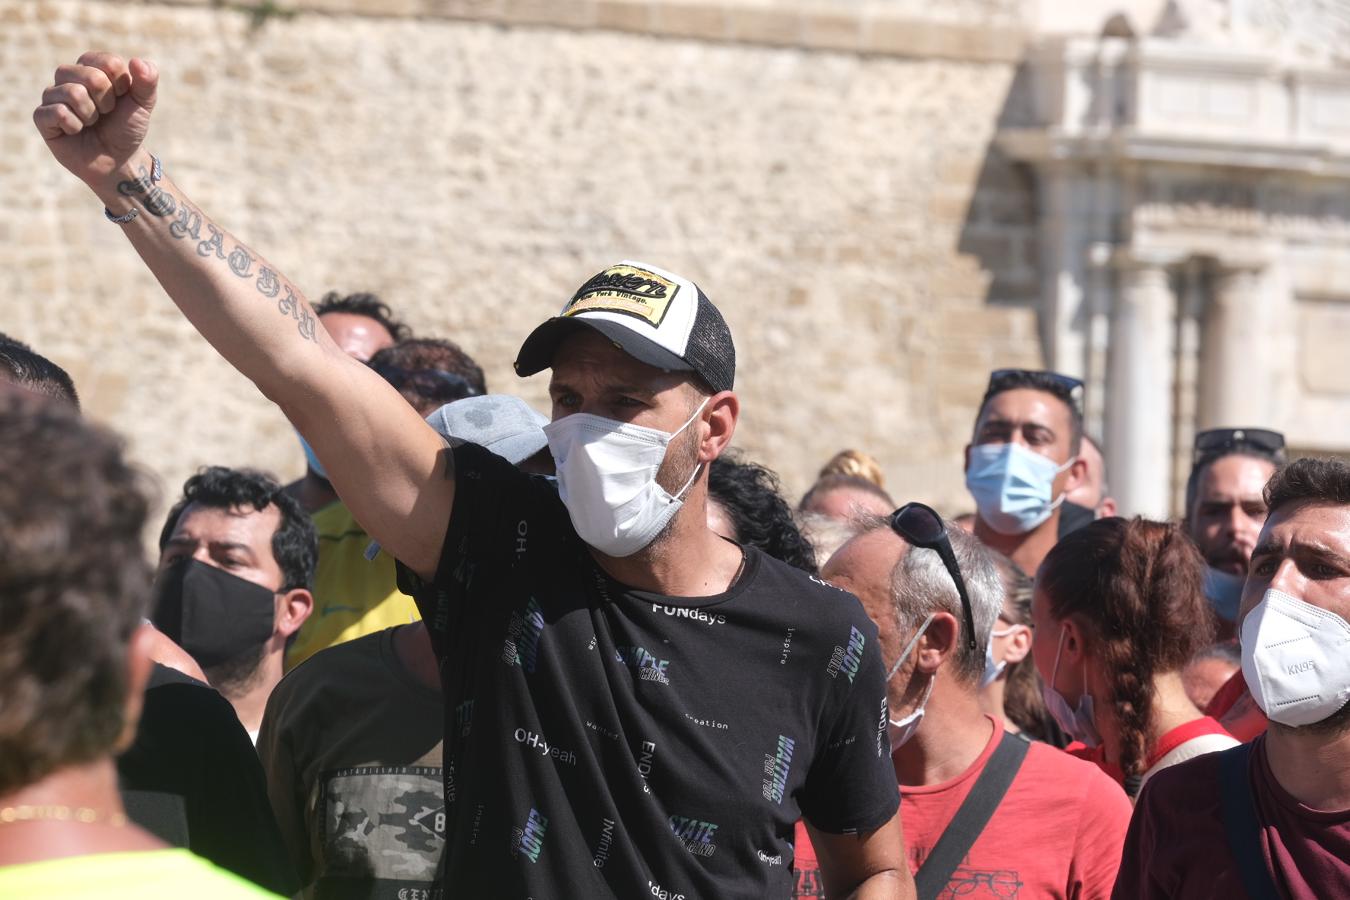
x=603 y=741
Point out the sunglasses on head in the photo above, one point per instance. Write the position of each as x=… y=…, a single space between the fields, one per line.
x=428 y=382
x=1217 y=441
x=921 y=526
x=1071 y=386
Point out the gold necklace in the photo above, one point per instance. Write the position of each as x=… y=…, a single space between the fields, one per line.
x=82 y=814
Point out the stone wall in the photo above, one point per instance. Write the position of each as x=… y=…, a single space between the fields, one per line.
x=473 y=173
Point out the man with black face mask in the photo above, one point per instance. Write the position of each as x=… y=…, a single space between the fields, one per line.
x=236 y=564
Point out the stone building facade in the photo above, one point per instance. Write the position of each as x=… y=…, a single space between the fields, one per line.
x=888 y=198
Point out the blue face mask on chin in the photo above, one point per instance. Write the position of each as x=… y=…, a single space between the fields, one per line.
x=1012 y=486
x=314 y=465
x=1224 y=592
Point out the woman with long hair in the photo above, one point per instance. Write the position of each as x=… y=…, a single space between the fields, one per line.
x=1119 y=609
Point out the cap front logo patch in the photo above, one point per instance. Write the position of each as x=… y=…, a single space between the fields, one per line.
x=628 y=290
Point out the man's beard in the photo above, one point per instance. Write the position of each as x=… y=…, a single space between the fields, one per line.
x=239 y=674
x=1230 y=559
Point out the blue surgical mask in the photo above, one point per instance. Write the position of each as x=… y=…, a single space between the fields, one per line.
x=993 y=669
x=1012 y=486
x=901 y=730
x=1224 y=592
x=1078 y=723
x=314 y=465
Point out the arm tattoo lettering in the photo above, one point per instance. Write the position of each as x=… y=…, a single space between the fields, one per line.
x=188 y=223
x=136 y=186
x=215 y=242
x=294 y=307
x=268 y=285
x=241 y=262
x=159 y=202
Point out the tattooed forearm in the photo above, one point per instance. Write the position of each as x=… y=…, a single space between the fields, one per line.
x=188 y=224
x=156 y=200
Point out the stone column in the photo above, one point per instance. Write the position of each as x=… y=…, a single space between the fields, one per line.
x=1140 y=379
x=1235 y=377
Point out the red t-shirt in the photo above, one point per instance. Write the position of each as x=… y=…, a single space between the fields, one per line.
x=1178 y=848
x=1165 y=745
x=1057 y=832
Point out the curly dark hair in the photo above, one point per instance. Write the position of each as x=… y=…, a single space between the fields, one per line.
x=294 y=545
x=22 y=365
x=430 y=372
x=751 y=496
x=74 y=585
x=364 y=304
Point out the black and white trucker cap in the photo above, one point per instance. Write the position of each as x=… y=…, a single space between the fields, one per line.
x=654 y=316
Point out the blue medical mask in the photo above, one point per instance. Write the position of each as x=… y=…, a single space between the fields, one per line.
x=1224 y=592
x=1012 y=486
x=315 y=466
x=901 y=730
x=994 y=669
x=1079 y=723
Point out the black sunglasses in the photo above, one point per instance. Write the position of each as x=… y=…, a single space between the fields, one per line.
x=429 y=382
x=1217 y=441
x=921 y=526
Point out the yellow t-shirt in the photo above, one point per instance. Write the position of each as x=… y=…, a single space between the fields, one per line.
x=127 y=876
x=353 y=596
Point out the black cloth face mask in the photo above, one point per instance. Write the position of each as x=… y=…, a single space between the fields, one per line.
x=213 y=615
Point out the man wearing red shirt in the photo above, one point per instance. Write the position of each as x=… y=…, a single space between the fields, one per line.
x=1270 y=819
x=1058 y=830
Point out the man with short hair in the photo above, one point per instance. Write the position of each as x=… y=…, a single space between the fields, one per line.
x=235 y=570
x=1225 y=508
x=1023 y=460
x=74 y=661
x=1058 y=829
x=600 y=638
x=1092 y=499
x=1270 y=818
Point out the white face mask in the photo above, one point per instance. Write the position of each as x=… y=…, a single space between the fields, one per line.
x=607 y=480
x=1296 y=659
x=901 y=730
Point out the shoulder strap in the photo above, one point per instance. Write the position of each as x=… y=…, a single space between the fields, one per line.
x=970 y=819
x=1241 y=824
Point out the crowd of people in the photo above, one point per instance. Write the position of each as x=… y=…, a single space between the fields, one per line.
x=479 y=651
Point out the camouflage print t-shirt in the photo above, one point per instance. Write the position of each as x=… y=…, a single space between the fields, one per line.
x=351 y=744
x=608 y=742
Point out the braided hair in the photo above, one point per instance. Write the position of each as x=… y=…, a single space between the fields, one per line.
x=1137 y=589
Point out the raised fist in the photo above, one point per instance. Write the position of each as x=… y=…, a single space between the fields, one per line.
x=97 y=113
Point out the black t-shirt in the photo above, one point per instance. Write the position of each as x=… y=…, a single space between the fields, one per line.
x=193 y=779
x=603 y=741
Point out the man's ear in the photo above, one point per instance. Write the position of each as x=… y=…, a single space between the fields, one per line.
x=293 y=608
x=722 y=412
x=938 y=643
x=1108 y=508
x=1076 y=474
x=1019 y=645
x=966 y=453
x=139 y=664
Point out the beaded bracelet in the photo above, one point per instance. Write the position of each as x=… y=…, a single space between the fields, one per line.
x=156 y=173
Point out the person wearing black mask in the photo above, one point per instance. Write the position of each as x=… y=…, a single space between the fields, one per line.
x=236 y=566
